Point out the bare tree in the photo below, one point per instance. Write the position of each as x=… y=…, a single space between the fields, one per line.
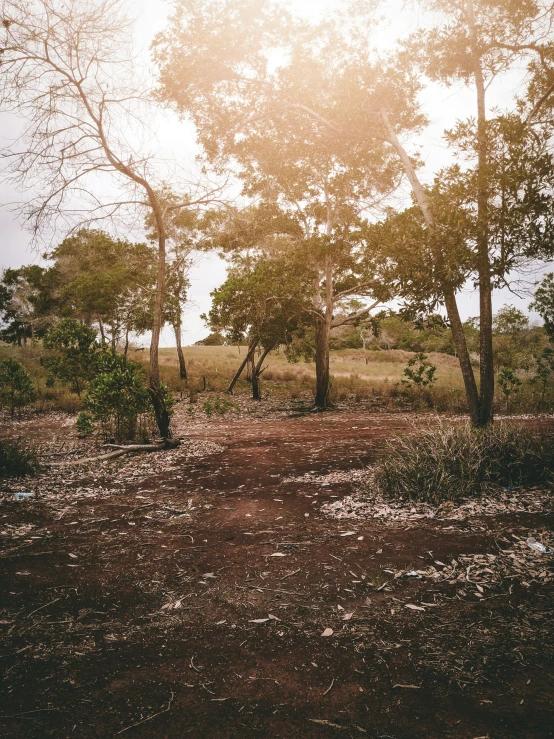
x=68 y=69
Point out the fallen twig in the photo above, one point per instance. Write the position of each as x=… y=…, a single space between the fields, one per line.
x=414 y=687
x=271 y=590
x=44 y=606
x=149 y=718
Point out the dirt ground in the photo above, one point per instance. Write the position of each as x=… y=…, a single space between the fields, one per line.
x=208 y=592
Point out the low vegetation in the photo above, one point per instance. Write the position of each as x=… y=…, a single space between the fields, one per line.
x=17 y=460
x=456 y=461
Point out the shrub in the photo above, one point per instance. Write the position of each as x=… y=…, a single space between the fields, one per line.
x=457 y=461
x=218 y=406
x=17 y=460
x=85 y=424
x=118 y=399
x=419 y=372
x=16 y=387
x=509 y=383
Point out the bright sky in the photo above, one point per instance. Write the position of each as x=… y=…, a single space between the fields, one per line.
x=443 y=107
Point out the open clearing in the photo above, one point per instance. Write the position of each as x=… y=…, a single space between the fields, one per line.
x=188 y=593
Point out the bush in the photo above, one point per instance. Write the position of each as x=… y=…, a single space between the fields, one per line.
x=85 y=424
x=16 y=386
x=457 y=461
x=118 y=399
x=419 y=372
x=16 y=460
x=218 y=406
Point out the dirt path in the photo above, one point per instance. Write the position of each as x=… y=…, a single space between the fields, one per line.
x=187 y=594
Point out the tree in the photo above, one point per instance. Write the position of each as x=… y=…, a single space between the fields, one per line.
x=543 y=303
x=75 y=349
x=16 y=387
x=473 y=42
x=263 y=301
x=186 y=232
x=69 y=69
x=246 y=112
x=105 y=281
x=28 y=302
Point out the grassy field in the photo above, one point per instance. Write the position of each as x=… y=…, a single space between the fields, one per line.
x=356 y=373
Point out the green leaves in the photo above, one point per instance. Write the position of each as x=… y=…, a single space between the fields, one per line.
x=118 y=399
x=544 y=303
x=419 y=373
x=74 y=348
x=16 y=387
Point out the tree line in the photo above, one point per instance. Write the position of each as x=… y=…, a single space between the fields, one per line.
x=318 y=126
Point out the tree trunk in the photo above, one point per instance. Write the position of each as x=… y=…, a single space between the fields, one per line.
x=182 y=365
x=458 y=336
x=256 y=372
x=249 y=355
x=250 y=365
x=322 y=332
x=462 y=352
x=160 y=410
x=126 y=348
x=486 y=368
x=102 y=334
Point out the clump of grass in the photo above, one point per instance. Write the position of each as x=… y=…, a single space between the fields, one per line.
x=17 y=460
x=458 y=461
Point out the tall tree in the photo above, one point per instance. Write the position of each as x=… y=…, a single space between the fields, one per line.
x=472 y=42
x=369 y=106
x=247 y=113
x=68 y=67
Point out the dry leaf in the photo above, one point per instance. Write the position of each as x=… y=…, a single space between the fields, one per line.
x=328 y=632
x=258 y=621
x=412 y=607
x=347 y=616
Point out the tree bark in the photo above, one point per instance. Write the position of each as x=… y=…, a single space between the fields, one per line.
x=486 y=368
x=322 y=374
x=182 y=364
x=160 y=410
x=250 y=366
x=256 y=372
x=249 y=355
x=449 y=295
x=323 y=323
x=126 y=348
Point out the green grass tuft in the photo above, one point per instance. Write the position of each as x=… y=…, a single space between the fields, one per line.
x=17 y=460
x=458 y=461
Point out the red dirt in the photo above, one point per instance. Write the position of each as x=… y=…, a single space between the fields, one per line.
x=100 y=654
